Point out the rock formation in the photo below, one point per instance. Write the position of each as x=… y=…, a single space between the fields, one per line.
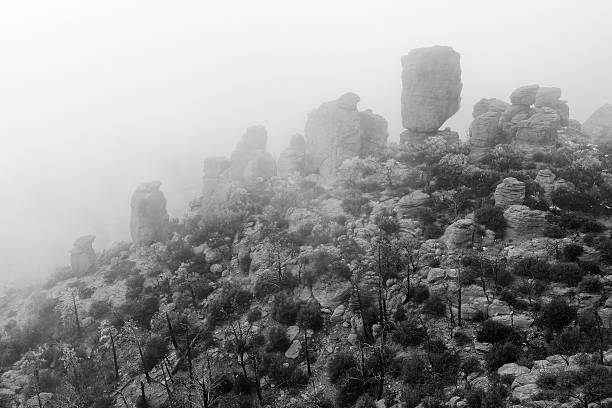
x=463 y=233
x=488 y=105
x=249 y=160
x=82 y=255
x=431 y=89
x=216 y=167
x=538 y=134
x=599 y=126
x=149 y=219
x=292 y=159
x=483 y=134
x=509 y=192
x=524 y=223
x=525 y=95
x=336 y=131
x=546 y=179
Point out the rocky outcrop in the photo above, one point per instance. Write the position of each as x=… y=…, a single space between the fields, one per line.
x=538 y=133
x=547 y=96
x=483 y=134
x=249 y=160
x=409 y=204
x=292 y=159
x=512 y=116
x=509 y=192
x=82 y=255
x=546 y=179
x=488 y=105
x=599 y=126
x=524 y=223
x=149 y=218
x=431 y=88
x=463 y=233
x=337 y=131
x=525 y=95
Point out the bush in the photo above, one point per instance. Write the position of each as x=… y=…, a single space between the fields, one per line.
x=492 y=218
x=556 y=314
x=500 y=354
x=532 y=268
x=418 y=293
x=365 y=401
x=277 y=339
x=566 y=272
x=590 y=284
x=285 y=309
x=408 y=333
x=99 y=309
x=571 y=252
x=134 y=285
x=232 y=300
x=434 y=306
x=338 y=365
x=154 y=351
x=492 y=331
x=574 y=200
x=554 y=231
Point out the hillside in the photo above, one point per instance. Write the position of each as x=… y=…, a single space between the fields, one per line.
x=349 y=272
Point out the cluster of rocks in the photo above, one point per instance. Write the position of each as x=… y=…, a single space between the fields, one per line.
x=509 y=192
x=337 y=131
x=431 y=91
x=530 y=123
x=524 y=223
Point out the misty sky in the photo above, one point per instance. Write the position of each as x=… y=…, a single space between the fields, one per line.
x=98 y=96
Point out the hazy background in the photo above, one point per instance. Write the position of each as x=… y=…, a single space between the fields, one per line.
x=98 y=96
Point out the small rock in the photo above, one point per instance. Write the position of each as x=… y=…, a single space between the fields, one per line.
x=294 y=350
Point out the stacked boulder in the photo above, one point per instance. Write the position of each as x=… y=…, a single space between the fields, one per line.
x=431 y=91
x=82 y=255
x=463 y=233
x=337 y=131
x=149 y=218
x=599 y=126
x=292 y=159
x=250 y=161
x=524 y=223
x=546 y=179
x=509 y=192
x=484 y=131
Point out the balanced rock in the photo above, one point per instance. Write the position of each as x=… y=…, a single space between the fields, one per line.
x=483 y=134
x=599 y=126
x=509 y=192
x=249 y=159
x=546 y=179
x=463 y=233
x=547 y=96
x=538 y=133
x=292 y=159
x=524 y=223
x=82 y=255
x=149 y=218
x=337 y=131
x=431 y=88
x=525 y=95
x=488 y=105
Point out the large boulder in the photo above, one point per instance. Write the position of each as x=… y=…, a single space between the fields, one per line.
x=547 y=96
x=509 y=192
x=599 y=126
x=292 y=159
x=431 y=88
x=483 y=134
x=512 y=117
x=538 y=134
x=82 y=255
x=149 y=218
x=525 y=95
x=463 y=233
x=488 y=105
x=249 y=159
x=524 y=223
x=337 y=131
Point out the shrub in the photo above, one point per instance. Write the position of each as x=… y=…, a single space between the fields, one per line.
x=566 y=272
x=134 y=285
x=492 y=218
x=532 y=267
x=574 y=200
x=434 y=306
x=554 y=231
x=492 y=331
x=285 y=309
x=365 y=401
x=309 y=316
x=590 y=268
x=141 y=310
x=556 y=314
x=408 y=333
x=338 y=365
x=99 y=309
x=277 y=339
x=500 y=354
x=418 y=293
x=154 y=351
x=232 y=300
x=590 y=284
x=571 y=252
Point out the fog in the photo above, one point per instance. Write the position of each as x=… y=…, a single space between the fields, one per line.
x=97 y=97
